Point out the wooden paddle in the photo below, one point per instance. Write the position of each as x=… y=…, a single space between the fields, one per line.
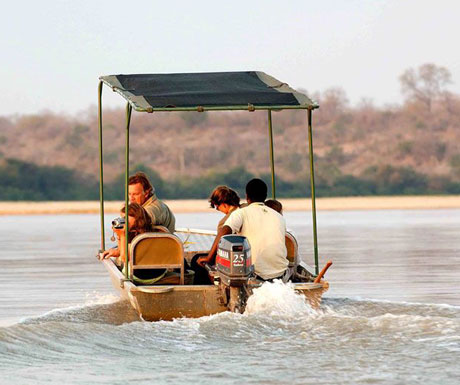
x=322 y=272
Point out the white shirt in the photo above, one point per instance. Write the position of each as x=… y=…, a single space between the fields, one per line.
x=265 y=230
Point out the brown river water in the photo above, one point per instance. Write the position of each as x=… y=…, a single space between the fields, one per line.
x=391 y=316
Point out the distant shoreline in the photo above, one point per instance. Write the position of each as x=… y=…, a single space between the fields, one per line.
x=201 y=205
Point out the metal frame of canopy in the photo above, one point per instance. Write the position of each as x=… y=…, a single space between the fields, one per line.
x=249 y=107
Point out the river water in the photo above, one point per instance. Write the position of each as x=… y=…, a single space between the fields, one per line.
x=391 y=316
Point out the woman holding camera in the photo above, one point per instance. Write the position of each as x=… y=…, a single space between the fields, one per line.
x=139 y=222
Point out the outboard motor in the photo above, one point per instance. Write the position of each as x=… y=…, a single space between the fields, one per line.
x=234 y=267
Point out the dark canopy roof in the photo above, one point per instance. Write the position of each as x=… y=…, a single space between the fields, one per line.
x=209 y=91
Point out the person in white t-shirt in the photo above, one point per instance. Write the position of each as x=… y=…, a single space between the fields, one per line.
x=265 y=230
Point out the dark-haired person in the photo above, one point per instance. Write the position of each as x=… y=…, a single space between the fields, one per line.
x=275 y=205
x=139 y=222
x=140 y=191
x=225 y=200
x=265 y=230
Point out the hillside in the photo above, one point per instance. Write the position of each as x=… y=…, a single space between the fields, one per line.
x=415 y=140
x=347 y=140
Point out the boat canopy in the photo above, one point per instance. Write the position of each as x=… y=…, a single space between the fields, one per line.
x=207 y=91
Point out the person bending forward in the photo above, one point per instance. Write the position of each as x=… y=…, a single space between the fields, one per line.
x=265 y=230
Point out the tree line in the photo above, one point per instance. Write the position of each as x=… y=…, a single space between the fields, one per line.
x=27 y=181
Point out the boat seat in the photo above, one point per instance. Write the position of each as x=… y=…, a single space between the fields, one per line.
x=292 y=250
x=157 y=251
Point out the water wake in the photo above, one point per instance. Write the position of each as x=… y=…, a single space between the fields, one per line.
x=277 y=299
x=96 y=309
x=105 y=334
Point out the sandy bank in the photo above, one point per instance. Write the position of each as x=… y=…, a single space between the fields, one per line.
x=201 y=205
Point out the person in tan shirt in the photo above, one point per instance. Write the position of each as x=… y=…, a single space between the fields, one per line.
x=140 y=191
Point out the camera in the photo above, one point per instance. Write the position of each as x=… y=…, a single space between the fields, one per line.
x=118 y=223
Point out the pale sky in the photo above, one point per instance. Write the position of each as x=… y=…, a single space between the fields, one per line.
x=52 y=52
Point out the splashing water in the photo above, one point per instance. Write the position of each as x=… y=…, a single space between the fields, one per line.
x=277 y=299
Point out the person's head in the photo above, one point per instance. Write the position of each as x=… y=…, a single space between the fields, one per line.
x=138 y=219
x=275 y=205
x=256 y=190
x=139 y=188
x=223 y=198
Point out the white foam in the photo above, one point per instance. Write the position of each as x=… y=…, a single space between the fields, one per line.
x=277 y=299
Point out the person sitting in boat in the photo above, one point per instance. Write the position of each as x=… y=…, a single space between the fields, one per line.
x=139 y=222
x=225 y=200
x=275 y=205
x=141 y=191
x=265 y=230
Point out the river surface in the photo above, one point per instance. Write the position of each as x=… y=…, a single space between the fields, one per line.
x=391 y=316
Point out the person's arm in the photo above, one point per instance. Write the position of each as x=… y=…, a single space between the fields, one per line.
x=115 y=252
x=121 y=235
x=210 y=258
x=109 y=253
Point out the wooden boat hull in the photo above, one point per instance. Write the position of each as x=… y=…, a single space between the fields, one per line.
x=166 y=302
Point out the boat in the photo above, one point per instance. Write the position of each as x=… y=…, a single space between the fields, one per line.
x=233 y=281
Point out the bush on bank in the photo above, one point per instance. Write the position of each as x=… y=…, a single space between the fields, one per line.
x=26 y=181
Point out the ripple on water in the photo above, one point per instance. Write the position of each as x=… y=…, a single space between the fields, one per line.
x=279 y=339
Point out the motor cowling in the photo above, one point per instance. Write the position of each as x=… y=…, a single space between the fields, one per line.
x=233 y=261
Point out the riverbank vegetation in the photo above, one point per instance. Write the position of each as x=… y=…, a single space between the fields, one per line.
x=411 y=148
x=26 y=181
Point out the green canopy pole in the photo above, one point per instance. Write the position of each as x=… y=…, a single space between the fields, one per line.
x=313 y=195
x=128 y=119
x=101 y=167
x=272 y=158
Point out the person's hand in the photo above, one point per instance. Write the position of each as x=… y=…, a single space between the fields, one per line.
x=115 y=253
x=202 y=261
